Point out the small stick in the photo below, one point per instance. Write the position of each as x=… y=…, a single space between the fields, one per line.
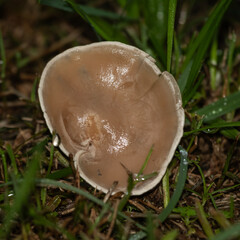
x=113 y=219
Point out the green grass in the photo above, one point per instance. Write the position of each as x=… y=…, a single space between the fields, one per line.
x=38 y=193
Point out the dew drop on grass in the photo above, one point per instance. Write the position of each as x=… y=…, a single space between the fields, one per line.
x=183 y=153
x=208 y=130
x=11 y=194
x=213 y=112
x=56 y=140
x=211 y=130
x=225 y=102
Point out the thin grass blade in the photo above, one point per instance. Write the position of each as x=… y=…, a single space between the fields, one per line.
x=104 y=29
x=53 y=183
x=146 y=161
x=233 y=39
x=4 y=161
x=220 y=218
x=208 y=30
x=177 y=54
x=62 y=5
x=203 y=220
x=165 y=186
x=182 y=81
x=12 y=158
x=198 y=49
x=213 y=63
x=155 y=16
x=180 y=185
x=214 y=126
x=61 y=173
x=150 y=227
x=171 y=235
x=34 y=90
x=232 y=232
x=22 y=193
x=171 y=19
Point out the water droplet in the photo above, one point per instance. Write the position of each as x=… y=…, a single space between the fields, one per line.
x=211 y=130
x=185 y=161
x=10 y=194
x=225 y=101
x=183 y=153
x=55 y=140
x=138 y=178
x=207 y=130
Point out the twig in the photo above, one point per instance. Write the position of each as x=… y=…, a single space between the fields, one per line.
x=114 y=216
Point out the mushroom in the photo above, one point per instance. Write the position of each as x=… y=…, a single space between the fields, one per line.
x=109 y=104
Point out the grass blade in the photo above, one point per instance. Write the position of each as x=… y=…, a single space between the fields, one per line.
x=50 y=182
x=171 y=235
x=4 y=161
x=180 y=185
x=146 y=161
x=150 y=227
x=50 y=160
x=203 y=219
x=53 y=183
x=12 y=158
x=62 y=5
x=177 y=54
x=155 y=16
x=225 y=189
x=34 y=90
x=220 y=107
x=182 y=81
x=213 y=126
x=171 y=19
x=61 y=173
x=132 y=180
x=165 y=186
x=228 y=234
x=22 y=193
x=233 y=39
x=104 y=29
x=208 y=30
x=220 y=218
x=195 y=69
x=213 y=63
x=198 y=48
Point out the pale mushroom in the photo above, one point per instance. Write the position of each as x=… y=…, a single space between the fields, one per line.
x=109 y=104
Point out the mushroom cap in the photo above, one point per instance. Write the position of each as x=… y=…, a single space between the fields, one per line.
x=109 y=104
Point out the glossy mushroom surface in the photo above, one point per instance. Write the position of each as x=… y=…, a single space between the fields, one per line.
x=109 y=104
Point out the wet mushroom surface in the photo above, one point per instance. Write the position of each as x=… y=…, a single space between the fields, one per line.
x=109 y=104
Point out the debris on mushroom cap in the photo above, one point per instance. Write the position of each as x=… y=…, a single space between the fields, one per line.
x=109 y=103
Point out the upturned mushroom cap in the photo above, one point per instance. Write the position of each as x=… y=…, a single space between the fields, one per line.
x=109 y=104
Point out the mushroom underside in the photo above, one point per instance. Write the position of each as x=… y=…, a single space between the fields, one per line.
x=109 y=107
